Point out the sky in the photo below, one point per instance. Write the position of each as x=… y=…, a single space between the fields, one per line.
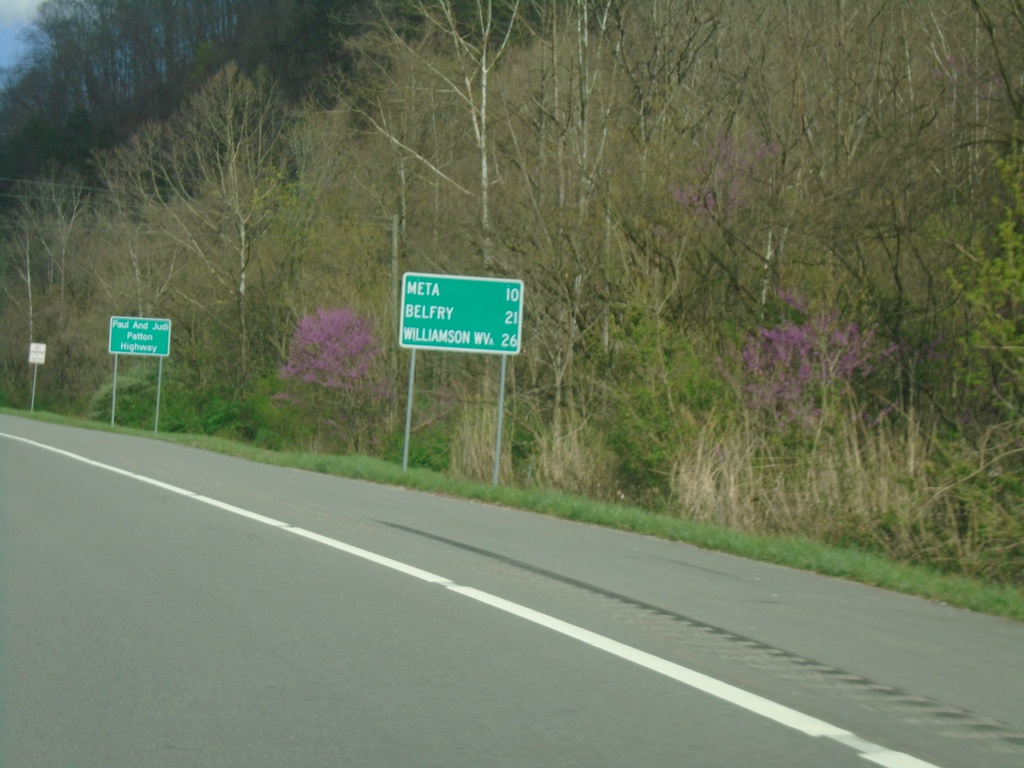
x=14 y=17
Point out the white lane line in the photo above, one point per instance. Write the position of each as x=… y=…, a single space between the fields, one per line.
x=751 y=702
x=889 y=759
x=880 y=755
x=748 y=701
x=151 y=481
x=373 y=557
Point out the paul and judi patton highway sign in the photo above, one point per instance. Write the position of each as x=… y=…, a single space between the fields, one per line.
x=140 y=336
x=461 y=314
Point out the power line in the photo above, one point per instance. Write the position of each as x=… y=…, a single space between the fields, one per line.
x=46 y=182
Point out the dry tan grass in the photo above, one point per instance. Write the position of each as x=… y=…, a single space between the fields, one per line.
x=472 y=457
x=574 y=459
x=879 y=488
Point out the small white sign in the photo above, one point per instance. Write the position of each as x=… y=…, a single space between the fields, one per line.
x=36 y=353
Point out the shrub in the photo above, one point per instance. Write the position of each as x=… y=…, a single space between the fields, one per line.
x=663 y=381
x=135 y=404
x=797 y=373
x=334 y=381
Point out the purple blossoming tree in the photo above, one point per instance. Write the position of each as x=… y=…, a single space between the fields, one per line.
x=335 y=378
x=795 y=370
x=725 y=180
x=333 y=348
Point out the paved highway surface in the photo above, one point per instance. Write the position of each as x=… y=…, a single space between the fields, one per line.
x=164 y=606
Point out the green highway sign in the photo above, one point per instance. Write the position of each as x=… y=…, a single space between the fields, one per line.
x=461 y=314
x=140 y=336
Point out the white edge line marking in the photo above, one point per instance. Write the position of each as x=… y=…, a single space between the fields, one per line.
x=373 y=557
x=889 y=759
x=751 y=702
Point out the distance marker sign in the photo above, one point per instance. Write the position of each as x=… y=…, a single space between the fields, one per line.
x=140 y=336
x=461 y=314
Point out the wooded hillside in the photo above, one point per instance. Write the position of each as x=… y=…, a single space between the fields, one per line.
x=773 y=252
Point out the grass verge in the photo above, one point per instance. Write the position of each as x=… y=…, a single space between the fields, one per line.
x=793 y=552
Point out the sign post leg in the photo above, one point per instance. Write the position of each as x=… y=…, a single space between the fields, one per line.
x=408 y=412
x=501 y=413
x=113 y=393
x=35 y=372
x=159 y=379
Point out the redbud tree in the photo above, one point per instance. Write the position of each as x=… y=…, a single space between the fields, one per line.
x=796 y=372
x=335 y=379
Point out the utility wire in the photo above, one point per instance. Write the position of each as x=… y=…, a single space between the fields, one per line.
x=45 y=182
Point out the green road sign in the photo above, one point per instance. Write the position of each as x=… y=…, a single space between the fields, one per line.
x=140 y=336
x=461 y=314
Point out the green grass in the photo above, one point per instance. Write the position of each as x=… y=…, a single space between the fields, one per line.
x=800 y=553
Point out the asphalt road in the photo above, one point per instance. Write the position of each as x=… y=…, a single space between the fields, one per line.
x=163 y=606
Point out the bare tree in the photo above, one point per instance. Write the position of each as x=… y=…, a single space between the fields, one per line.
x=48 y=211
x=1003 y=22
x=58 y=207
x=141 y=272
x=216 y=175
x=17 y=255
x=475 y=41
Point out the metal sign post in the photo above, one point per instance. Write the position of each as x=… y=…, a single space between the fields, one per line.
x=113 y=393
x=36 y=357
x=501 y=413
x=456 y=313
x=408 y=412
